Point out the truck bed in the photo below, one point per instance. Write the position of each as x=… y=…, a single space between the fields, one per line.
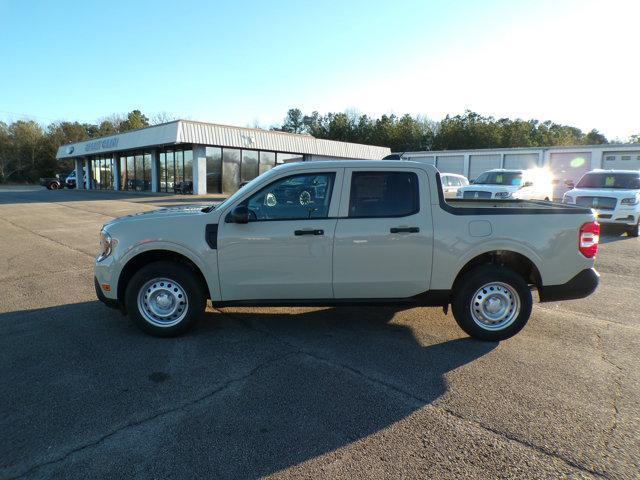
x=515 y=205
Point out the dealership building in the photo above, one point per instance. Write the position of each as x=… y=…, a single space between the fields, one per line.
x=216 y=158
x=565 y=163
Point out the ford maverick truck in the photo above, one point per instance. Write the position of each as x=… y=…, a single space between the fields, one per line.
x=348 y=232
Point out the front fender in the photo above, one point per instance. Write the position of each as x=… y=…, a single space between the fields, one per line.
x=154 y=245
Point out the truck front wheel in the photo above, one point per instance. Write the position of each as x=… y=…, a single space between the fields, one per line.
x=164 y=299
x=491 y=303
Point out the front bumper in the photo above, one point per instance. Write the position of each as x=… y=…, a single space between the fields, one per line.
x=619 y=216
x=109 y=302
x=580 y=286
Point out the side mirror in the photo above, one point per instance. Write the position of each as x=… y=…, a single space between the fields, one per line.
x=240 y=214
x=569 y=183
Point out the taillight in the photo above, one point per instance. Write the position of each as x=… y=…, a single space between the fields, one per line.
x=589 y=239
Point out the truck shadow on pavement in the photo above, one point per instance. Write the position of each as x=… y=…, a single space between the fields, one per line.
x=248 y=393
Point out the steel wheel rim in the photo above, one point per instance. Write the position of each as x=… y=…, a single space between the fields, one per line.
x=162 y=302
x=495 y=306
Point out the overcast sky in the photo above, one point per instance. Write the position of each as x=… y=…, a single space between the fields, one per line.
x=246 y=62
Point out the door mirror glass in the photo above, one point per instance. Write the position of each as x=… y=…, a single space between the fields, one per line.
x=240 y=214
x=569 y=183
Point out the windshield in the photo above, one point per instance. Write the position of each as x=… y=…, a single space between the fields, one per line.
x=500 y=178
x=629 y=181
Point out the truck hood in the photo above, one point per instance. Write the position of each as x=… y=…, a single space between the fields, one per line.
x=602 y=192
x=162 y=213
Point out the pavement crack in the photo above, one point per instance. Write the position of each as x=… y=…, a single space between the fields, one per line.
x=45 y=237
x=163 y=413
x=420 y=402
x=615 y=397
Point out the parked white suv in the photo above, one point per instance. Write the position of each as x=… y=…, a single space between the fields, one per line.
x=451 y=183
x=533 y=184
x=614 y=195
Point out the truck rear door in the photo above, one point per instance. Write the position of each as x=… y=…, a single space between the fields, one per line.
x=384 y=235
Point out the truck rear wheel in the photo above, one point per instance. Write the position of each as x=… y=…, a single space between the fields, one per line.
x=164 y=299
x=491 y=303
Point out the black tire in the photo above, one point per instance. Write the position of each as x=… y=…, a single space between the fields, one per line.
x=53 y=186
x=184 y=278
x=634 y=231
x=464 y=297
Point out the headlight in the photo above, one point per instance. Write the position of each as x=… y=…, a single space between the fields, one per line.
x=503 y=194
x=567 y=199
x=629 y=201
x=107 y=244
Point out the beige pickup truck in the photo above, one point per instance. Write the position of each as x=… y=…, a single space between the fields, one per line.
x=348 y=232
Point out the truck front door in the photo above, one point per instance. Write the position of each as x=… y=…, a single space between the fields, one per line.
x=285 y=250
x=384 y=236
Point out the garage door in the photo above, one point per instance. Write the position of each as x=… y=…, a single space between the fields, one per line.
x=521 y=160
x=568 y=166
x=481 y=163
x=621 y=160
x=450 y=164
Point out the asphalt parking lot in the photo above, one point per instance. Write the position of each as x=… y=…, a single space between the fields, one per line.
x=319 y=393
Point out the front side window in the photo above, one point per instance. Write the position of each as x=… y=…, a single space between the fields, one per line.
x=298 y=197
x=383 y=194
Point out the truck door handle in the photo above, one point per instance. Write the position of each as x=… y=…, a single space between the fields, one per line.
x=404 y=230
x=308 y=232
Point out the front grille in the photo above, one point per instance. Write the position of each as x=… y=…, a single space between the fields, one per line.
x=476 y=194
x=600 y=203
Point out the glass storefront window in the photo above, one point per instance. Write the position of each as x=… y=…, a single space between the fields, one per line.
x=130 y=173
x=139 y=178
x=146 y=170
x=289 y=157
x=214 y=169
x=179 y=166
x=123 y=173
x=249 y=168
x=171 y=175
x=188 y=165
x=267 y=161
x=230 y=170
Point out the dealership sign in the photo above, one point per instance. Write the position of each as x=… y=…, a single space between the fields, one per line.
x=101 y=144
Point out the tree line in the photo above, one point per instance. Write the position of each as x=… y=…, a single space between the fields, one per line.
x=409 y=133
x=28 y=149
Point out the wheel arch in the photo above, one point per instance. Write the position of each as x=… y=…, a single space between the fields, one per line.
x=516 y=261
x=140 y=259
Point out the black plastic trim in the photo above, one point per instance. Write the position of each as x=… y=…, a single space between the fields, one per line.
x=109 y=302
x=557 y=209
x=580 y=286
x=211 y=235
x=431 y=298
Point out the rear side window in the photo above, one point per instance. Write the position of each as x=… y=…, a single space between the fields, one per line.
x=383 y=194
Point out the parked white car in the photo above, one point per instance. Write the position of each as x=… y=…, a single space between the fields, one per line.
x=614 y=195
x=348 y=232
x=451 y=183
x=533 y=184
